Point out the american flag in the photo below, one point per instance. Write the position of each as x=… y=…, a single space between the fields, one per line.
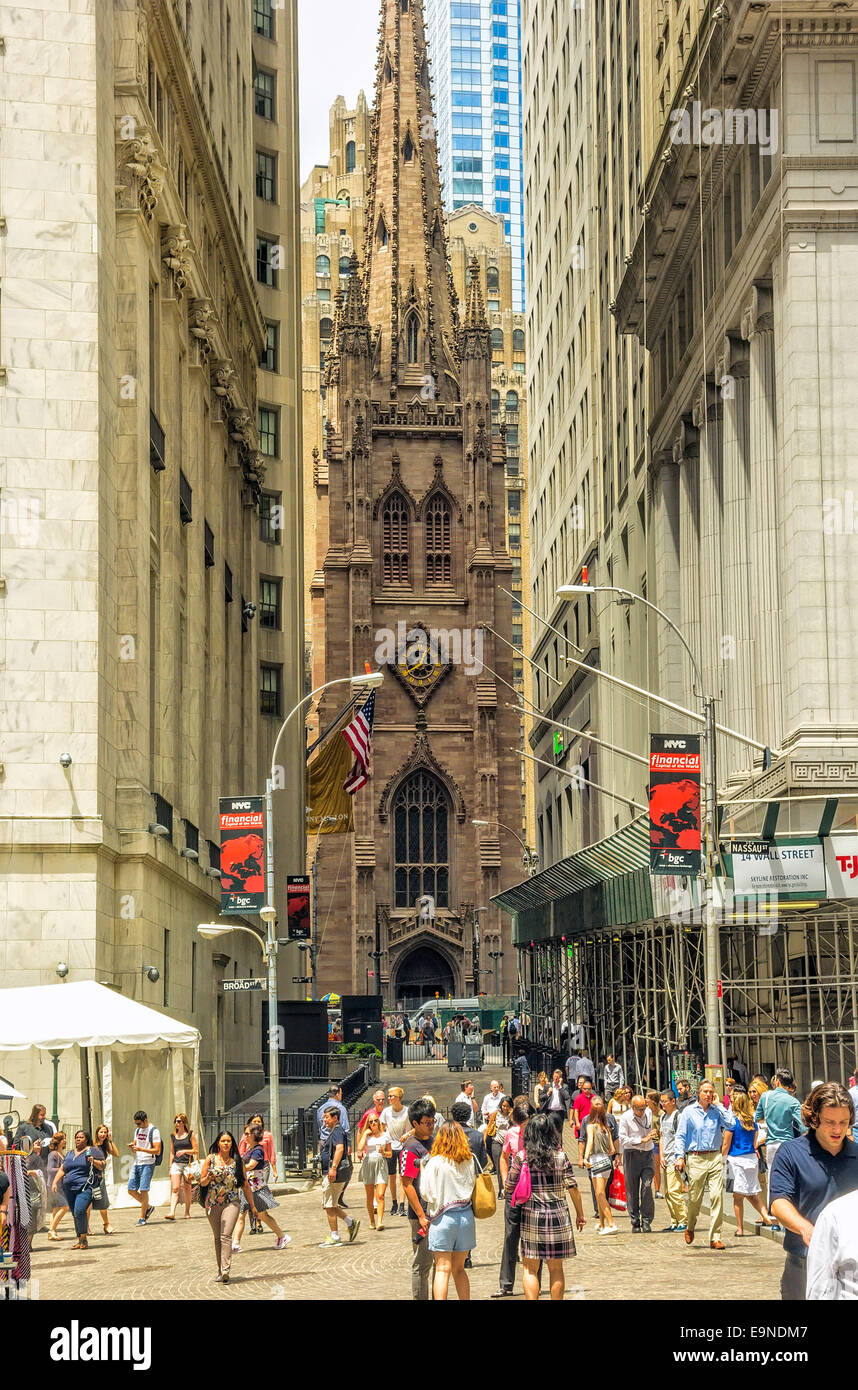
x=358 y=735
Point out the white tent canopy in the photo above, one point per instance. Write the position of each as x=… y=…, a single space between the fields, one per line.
x=84 y=1014
x=129 y=1058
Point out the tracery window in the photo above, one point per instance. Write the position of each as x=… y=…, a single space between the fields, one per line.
x=420 y=848
x=395 y=521
x=411 y=332
x=439 y=558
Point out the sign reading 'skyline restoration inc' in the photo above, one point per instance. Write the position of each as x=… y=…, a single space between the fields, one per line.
x=242 y=854
x=674 y=803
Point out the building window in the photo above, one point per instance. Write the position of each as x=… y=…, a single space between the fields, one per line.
x=269 y=603
x=343 y=197
x=266 y=176
x=326 y=330
x=515 y=536
x=268 y=431
x=345 y=267
x=497 y=340
x=350 y=157
x=208 y=546
x=411 y=332
x=492 y=280
x=164 y=814
x=269 y=690
x=227 y=584
x=270 y=518
x=513 y=503
x=421 y=854
x=381 y=232
x=323 y=265
x=266 y=261
x=263 y=94
x=271 y=352
x=439 y=558
x=495 y=402
x=408 y=148
x=323 y=296
x=186 y=495
x=263 y=19
x=511 y=402
x=518 y=340
x=394 y=525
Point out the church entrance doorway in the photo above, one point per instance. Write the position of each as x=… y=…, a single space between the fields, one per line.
x=421 y=975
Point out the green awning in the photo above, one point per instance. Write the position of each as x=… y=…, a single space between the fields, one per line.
x=621 y=853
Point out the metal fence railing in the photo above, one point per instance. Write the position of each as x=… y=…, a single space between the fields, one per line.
x=400 y=1053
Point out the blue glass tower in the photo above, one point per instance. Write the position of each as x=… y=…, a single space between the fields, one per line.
x=475 y=51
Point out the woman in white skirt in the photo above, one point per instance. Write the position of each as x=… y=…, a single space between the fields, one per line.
x=743 y=1162
x=374 y=1149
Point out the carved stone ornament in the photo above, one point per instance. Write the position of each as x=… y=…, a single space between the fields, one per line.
x=241 y=428
x=140 y=177
x=201 y=323
x=223 y=380
x=176 y=255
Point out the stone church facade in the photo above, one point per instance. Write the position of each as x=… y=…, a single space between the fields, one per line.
x=417 y=543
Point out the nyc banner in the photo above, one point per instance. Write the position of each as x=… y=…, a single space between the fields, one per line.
x=674 y=803
x=242 y=853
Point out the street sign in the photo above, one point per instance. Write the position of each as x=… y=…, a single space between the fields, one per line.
x=242 y=854
x=301 y=979
x=298 y=907
x=240 y=986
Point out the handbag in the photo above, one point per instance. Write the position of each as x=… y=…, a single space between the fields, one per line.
x=617 y=1191
x=483 y=1198
x=600 y=1163
x=193 y=1171
x=523 y=1188
x=492 y=1126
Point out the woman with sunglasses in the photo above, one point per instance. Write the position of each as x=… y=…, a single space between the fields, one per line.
x=374 y=1149
x=80 y=1173
x=223 y=1180
x=183 y=1151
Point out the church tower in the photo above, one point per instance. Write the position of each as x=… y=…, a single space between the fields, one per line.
x=413 y=579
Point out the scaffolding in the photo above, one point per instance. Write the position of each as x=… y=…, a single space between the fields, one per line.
x=789 y=993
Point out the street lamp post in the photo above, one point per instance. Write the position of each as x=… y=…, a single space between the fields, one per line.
x=495 y=956
x=706 y=876
x=529 y=857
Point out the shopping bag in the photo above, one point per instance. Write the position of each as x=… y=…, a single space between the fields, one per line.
x=617 y=1191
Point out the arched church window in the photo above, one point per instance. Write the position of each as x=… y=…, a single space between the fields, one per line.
x=411 y=331
x=381 y=232
x=395 y=522
x=408 y=148
x=350 y=157
x=439 y=556
x=420 y=848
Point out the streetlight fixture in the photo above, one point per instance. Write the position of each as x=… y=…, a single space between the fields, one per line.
x=706 y=876
x=529 y=857
x=495 y=956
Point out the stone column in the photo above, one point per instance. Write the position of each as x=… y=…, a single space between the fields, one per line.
x=732 y=375
x=757 y=328
x=707 y=418
x=668 y=585
x=685 y=456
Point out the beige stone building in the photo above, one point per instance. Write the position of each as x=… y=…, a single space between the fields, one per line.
x=474 y=232
x=151 y=597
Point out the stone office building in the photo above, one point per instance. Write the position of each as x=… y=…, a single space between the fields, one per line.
x=149 y=426
x=416 y=537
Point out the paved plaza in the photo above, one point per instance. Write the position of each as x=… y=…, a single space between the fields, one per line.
x=175 y=1261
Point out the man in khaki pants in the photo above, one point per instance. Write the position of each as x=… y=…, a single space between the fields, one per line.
x=674 y=1195
x=698 y=1146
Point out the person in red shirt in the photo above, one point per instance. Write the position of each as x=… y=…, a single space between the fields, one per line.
x=375 y=1109
x=582 y=1102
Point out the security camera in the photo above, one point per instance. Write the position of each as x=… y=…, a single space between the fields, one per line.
x=153 y=974
x=65 y=760
x=62 y=970
x=249 y=611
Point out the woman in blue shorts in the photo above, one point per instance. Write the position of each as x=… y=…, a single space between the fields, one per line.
x=446 y=1191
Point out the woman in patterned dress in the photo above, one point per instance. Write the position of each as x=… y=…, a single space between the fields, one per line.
x=546 y=1226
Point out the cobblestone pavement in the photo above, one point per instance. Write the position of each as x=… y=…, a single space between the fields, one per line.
x=175 y=1261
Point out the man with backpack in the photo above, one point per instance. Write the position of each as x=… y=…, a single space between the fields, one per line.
x=148 y=1152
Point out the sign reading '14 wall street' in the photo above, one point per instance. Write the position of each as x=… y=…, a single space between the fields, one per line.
x=242 y=853
x=674 y=803
x=794 y=865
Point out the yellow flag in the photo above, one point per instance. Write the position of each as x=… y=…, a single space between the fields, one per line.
x=329 y=808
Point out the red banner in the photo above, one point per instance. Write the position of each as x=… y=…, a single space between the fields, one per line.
x=242 y=854
x=674 y=803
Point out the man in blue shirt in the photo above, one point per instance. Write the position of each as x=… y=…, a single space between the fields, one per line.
x=780 y=1111
x=698 y=1147
x=810 y=1172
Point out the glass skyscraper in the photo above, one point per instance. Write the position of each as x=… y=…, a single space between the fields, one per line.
x=475 y=51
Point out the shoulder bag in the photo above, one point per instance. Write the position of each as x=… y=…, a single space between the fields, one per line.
x=483 y=1198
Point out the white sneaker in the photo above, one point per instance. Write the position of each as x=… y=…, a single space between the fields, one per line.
x=610 y=1230
x=282 y=1242
x=236 y=1248
x=331 y=1241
